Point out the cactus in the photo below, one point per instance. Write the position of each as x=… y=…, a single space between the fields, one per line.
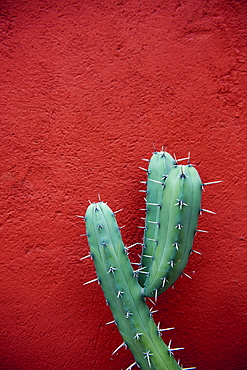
x=122 y=291
x=159 y=167
x=175 y=229
x=173 y=204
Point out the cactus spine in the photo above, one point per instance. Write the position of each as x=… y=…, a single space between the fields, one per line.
x=173 y=204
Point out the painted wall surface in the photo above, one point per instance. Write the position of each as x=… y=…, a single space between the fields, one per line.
x=87 y=88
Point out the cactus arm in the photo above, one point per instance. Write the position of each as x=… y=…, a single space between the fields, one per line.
x=159 y=167
x=192 y=193
x=179 y=213
x=115 y=274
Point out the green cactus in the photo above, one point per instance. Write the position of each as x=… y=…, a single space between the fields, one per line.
x=179 y=210
x=173 y=205
x=122 y=291
x=159 y=167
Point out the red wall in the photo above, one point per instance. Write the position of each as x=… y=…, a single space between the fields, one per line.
x=87 y=87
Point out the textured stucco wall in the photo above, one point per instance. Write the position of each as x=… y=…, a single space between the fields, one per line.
x=87 y=87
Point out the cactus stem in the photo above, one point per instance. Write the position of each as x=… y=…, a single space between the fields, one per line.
x=91 y=281
x=83 y=258
x=147 y=356
x=111 y=322
x=206 y=210
x=121 y=345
